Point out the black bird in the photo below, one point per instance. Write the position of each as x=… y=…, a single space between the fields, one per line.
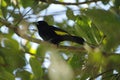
x=56 y=35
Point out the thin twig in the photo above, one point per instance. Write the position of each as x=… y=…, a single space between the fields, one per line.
x=33 y=6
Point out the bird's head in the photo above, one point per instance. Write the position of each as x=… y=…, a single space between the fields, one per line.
x=41 y=23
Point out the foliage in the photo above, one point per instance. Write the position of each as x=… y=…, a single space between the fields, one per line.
x=20 y=58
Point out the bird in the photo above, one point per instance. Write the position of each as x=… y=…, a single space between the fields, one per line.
x=56 y=35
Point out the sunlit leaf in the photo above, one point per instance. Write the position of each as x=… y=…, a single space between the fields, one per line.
x=85 y=29
x=3 y=3
x=109 y=24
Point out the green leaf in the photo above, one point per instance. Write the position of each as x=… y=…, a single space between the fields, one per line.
x=2 y=62
x=109 y=24
x=117 y=3
x=14 y=60
x=5 y=75
x=40 y=7
x=114 y=59
x=27 y=3
x=41 y=50
x=77 y=61
x=11 y=3
x=11 y=43
x=4 y=11
x=23 y=74
x=12 y=55
x=3 y=3
x=85 y=29
x=49 y=19
x=0 y=15
x=70 y=14
x=36 y=68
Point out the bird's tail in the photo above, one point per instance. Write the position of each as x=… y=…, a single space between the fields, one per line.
x=75 y=39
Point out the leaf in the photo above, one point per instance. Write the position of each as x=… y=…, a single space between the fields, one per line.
x=5 y=75
x=9 y=2
x=77 y=61
x=41 y=50
x=27 y=3
x=11 y=43
x=114 y=60
x=4 y=11
x=117 y=3
x=70 y=14
x=109 y=24
x=36 y=68
x=40 y=7
x=85 y=29
x=12 y=56
x=23 y=74
x=3 y=3
x=49 y=19
x=2 y=62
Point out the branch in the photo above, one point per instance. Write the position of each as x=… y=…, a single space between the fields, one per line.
x=18 y=32
x=100 y=74
x=68 y=3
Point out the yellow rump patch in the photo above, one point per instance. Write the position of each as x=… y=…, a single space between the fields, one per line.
x=61 y=33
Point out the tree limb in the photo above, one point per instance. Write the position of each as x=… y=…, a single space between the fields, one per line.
x=68 y=3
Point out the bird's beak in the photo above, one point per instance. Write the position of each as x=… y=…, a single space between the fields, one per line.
x=35 y=23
